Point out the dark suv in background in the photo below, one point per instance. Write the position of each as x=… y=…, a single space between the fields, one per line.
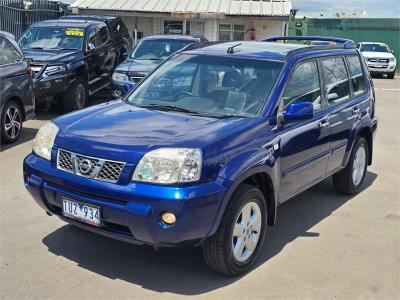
x=74 y=57
x=17 y=102
x=148 y=54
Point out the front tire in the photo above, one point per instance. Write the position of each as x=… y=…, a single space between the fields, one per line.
x=75 y=97
x=349 y=180
x=391 y=75
x=235 y=246
x=11 y=122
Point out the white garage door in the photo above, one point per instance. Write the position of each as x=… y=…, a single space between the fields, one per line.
x=268 y=29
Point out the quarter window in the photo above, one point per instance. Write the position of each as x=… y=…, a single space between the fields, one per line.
x=8 y=53
x=304 y=86
x=356 y=73
x=336 y=80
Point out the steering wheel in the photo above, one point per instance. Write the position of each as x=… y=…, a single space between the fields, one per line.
x=183 y=94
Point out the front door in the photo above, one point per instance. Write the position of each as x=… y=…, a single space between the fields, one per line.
x=304 y=144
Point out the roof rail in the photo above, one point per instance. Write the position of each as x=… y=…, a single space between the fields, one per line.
x=345 y=42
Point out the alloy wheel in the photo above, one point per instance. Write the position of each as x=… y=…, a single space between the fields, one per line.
x=12 y=122
x=246 y=231
x=359 y=165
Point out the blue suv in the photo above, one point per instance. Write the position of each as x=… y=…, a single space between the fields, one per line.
x=206 y=147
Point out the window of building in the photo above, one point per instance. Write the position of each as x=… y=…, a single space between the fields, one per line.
x=336 y=80
x=231 y=32
x=178 y=27
x=304 y=86
x=356 y=73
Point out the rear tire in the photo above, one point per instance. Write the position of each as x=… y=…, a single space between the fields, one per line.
x=235 y=246
x=11 y=122
x=349 y=180
x=75 y=97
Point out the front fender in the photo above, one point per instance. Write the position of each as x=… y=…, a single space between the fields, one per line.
x=239 y=168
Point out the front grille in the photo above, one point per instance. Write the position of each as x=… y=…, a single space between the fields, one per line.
x=64 y=161
x=380 y=60
x=90 y=167
x=136 y=79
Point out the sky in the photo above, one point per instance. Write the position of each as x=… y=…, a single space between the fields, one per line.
x=362 y=8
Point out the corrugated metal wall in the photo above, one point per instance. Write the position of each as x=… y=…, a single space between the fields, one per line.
x=359 y=30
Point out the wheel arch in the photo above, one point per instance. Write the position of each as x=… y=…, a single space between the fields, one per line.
x=367 y=134
x=260 y=177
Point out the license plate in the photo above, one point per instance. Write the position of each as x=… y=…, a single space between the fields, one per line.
x=83 y=212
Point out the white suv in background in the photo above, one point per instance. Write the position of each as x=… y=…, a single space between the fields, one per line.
x=379 y=57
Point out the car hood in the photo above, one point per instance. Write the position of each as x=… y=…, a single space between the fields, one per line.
x=52 y=56
x=134 y=65
x=368 y=54
x=122 y=132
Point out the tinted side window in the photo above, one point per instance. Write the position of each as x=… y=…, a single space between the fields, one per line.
x=8 y=53
x=103 y=34
x=98 y=36
x=303 y=86
x=356 y=73
x=336 y=80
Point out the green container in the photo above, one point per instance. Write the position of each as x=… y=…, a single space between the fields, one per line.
x=357 y=29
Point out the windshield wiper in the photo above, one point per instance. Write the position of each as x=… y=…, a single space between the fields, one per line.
x=169 y=108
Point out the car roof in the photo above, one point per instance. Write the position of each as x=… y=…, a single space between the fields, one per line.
x=7 y=35
x=172 y=37
x=266 y=50
x=67 y=23
x=89 y=17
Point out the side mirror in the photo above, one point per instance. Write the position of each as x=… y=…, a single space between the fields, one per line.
x=90 y=46
x=297 y=111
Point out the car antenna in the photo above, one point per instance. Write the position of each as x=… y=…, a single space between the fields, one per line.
x=231 y=49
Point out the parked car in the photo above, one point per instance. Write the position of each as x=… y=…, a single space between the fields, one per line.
x=208 y=145
x=71 y=59
x=149 y=53
x=17 y=102
x=379 y=57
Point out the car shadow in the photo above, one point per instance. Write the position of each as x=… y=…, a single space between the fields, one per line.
x=27 y=134
x=182 y=270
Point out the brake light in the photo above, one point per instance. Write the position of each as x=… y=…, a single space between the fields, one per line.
x=29 y=71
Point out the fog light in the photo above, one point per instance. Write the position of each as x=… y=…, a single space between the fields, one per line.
x=168 y=218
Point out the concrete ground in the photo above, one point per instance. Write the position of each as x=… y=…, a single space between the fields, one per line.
x=324 y=245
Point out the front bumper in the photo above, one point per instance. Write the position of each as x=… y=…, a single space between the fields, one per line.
x=130 y=212
x=120 y=89
x=381 y=69
x=45 y=88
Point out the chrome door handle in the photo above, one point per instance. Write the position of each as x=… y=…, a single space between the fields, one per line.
x=356 y=110
x=323 y=123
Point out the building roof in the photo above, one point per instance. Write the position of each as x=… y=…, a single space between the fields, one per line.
x=259 y=8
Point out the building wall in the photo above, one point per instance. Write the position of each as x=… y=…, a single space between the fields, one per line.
x=150 y=24
x=358 y=29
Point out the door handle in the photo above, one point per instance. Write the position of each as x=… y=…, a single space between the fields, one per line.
x=356 y=110
x=323 y=123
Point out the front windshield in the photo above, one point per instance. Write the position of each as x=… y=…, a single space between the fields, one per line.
x=158 y=49
x=206 y=85
x=374 y=48
x=59 y=38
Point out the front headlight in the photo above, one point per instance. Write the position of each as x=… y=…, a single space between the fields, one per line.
x=392 y=59
x=119 y=77
x=44 y=140
x=54 y=70
x=169 y=165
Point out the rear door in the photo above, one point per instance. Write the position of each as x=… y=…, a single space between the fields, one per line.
x=304 y=144
x=345 y=91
